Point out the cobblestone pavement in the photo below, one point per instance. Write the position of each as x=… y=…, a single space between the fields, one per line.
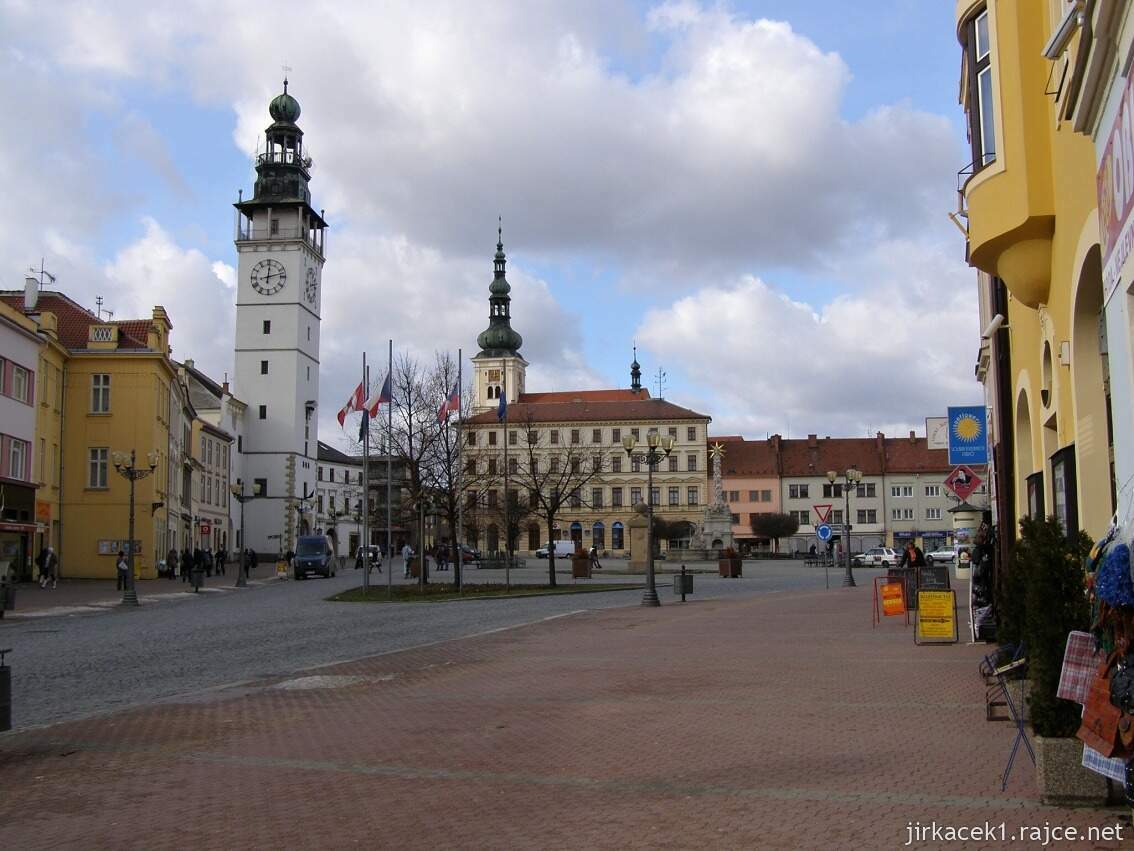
x=767 y=721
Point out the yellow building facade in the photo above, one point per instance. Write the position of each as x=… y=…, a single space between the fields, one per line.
x=1028 y=204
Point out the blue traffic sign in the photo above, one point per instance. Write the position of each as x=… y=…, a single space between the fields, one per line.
x=823 y=532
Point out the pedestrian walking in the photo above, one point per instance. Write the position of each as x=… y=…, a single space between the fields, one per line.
x=594 y=559
x=171 y=562
x=186 y=564
x=407 y=551
x=49 y=568
x=121 y=568
x=220 y=559
x=442 y=557
x=912 y=557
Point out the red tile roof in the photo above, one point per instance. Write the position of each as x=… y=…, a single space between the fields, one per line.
x=75 y=320
x=617 y=395
x=638 y=409
x=814 y=456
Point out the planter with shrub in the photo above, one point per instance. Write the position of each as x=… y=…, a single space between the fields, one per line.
x=729 y=563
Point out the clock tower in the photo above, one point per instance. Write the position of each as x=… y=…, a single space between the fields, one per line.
x=500 y=369
x=280 y=245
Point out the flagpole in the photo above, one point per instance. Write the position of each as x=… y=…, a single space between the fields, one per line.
x=365 y=481
x=389 y=451
x=460 y=479
x=507 y=504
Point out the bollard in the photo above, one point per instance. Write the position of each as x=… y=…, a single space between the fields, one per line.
x=5 y=693
x=197 y=576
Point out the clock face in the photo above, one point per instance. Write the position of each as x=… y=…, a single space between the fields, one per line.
x=312 y=286
x=268 y=277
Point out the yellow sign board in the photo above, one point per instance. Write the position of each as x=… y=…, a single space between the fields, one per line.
x=893 y=600
x=936 y=616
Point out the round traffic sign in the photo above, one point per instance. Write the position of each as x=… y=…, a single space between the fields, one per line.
x=823 y=532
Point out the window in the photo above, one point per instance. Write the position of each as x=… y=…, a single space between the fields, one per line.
x=331 y=501
x=471 y=439
x=616 y=497
x=492 y=438
x=933 y=514
x=674 y=496
x=867 y=515
x=574 y=436
x=691 y=496
x=263 y=412
x=470 y=467
x=616 y=435
x=596 y=463
x=866 y=489
x=319 y=503
x=492 y=466
x=899 y=491
x=20 y=383
x=933 y=490
x=575 y=464
x=1064 y=494
x=655 y=496
x=533 y=498
x=554 y=437
x=470 y=499
x=576 y=500
x=735 y=518
x=616 y=463
x=513 y=438
x=635 y=496
x=513 y=466
x=100 y=393
x=691 y=433
x=492 y=499
x=596 y=435
x=555 y=464
x=263 y=485
x=18 y=459
x=754 y=496
x=673 y=463
x=901 y=514
x=765 y=496
x=734 y=496
x=833 y=491
x=691 y=463
x=596 y=497
x=535 y=466
x=837 y=517
x=267 y=326
x=97 y=467
x=330 y=474
x=635 y=433
x=798 y=491
x=978 y=100
x=672 y=432
x=274 y=227
x=635 y=463
x=532 y=437
x=803 y=518
x=263 y=367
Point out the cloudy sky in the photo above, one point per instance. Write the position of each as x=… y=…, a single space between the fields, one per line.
x=753 y=192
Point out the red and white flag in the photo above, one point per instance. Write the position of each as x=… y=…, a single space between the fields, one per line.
x=354 y=403
x=450 y=405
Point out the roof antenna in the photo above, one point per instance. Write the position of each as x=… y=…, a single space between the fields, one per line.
x=43 y=273
x=99 y=301
x=661 y=382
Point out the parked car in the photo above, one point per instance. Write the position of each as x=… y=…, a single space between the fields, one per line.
x=469 y=554
x=877 y=557
x=374 y=555
x=313 y=554
x=940 y=556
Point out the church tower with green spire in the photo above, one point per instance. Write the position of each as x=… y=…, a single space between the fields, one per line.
x=499 y=369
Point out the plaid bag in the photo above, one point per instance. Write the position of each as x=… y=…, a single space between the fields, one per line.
x=1115 y=769
x=1080 y=662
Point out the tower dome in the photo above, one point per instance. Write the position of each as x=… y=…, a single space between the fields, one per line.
x=499 y=338
x=284 y=108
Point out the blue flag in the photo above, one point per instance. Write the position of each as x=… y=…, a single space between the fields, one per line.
x=502 y=408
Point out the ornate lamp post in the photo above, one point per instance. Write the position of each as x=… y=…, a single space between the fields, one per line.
x=240 y=496
x=850 y=479
x=658 y=447
x=128 y=469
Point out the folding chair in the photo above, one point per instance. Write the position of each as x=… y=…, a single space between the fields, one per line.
x=998 y=658
x=1005 y=675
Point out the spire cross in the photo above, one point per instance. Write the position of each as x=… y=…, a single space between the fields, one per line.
x=286 y=70
x=500 y=230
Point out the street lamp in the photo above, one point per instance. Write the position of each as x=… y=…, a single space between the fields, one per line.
x=658 y=447
x=850 y=478
x=237 y=489
x=127 y=468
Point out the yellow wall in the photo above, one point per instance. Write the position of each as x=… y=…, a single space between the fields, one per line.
x=1033 y=222
x=136 y=421
x=51 y=373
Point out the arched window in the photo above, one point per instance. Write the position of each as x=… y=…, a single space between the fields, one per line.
x=598 y=535
x=616 y=536
x=493 y=539
x=533 y=536
x=577 y=532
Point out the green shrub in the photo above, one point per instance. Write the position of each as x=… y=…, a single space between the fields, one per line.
x=1049 y=567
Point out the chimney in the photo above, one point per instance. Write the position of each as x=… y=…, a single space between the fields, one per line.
x=812 y=440
x=189 y=363
x=913 y=437
x=31 y=294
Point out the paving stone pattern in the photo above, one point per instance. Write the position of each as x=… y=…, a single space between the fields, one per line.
x=774 y=721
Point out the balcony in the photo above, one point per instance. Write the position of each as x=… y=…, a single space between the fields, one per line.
x=285 y=158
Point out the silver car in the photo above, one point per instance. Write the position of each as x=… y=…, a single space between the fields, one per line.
x=940 y=556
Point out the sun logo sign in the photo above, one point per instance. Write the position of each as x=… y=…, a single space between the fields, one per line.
x=968 y=443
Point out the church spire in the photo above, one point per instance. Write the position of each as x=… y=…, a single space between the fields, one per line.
x=499 y=338
x=635 y=372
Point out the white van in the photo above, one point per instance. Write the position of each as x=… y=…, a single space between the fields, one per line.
x=563 y=549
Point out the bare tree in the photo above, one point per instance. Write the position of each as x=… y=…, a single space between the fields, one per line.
x=554 y=475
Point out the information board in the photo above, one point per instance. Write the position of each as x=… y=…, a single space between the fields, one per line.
x=893 y=600
x=933 y=577
x=936 y=617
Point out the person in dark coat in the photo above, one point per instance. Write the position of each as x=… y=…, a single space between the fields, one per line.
x=219 y=561
x=171 y=563
x=186 y=564
x=912 y=557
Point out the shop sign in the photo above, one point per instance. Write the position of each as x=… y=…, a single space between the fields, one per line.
x=206 y=527
x=968 y=434
x=893 y=599
x=1115 y=186
x=963 y=482
x=110 y=547
x=936 y=617
x=42 y=511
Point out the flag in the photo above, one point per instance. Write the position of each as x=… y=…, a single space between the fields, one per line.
x=377 y=398
x=354 y=403
x=502 y=408
x=363 y=425
x=451 y=404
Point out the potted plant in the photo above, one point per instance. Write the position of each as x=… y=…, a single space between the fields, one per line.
x=1048 y=569
x=580 y=564
x=729 y=563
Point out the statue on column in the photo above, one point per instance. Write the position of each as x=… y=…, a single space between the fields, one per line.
x=716 y=451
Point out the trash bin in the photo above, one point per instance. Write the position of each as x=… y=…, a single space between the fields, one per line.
x=5 y=693
x=197 y=577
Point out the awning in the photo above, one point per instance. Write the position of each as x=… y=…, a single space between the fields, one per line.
x=8 y=526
